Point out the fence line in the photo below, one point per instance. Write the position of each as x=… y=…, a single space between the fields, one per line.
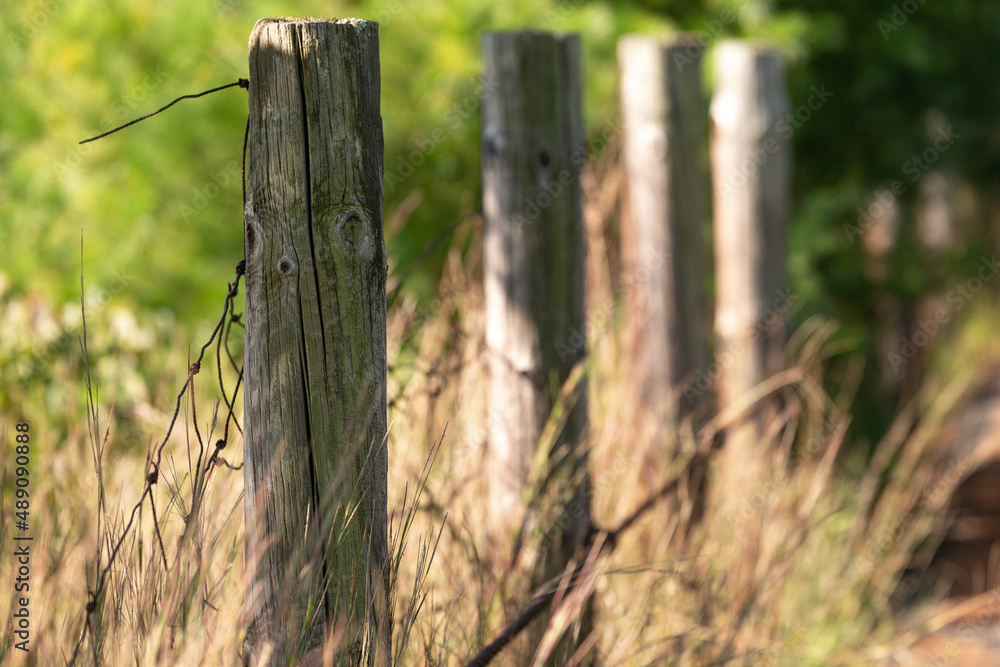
x=533 y=281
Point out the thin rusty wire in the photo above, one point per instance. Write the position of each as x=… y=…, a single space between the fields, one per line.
x=242 y=83
x=153 y=476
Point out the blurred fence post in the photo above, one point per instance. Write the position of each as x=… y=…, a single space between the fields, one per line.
x=533 y=149
x=878 y=229
x=315 y=359
x=663 y=124
x=751 y=173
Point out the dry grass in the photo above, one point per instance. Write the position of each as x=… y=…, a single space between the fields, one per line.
x=838 y=530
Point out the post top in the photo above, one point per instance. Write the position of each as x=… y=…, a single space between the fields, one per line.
x=356 y=22
x=743 y=48
x=529 y=33
x=671 y=40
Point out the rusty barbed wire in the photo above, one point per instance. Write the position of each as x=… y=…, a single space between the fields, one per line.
x=242 y=83
x=220 y=335
x=152 y=476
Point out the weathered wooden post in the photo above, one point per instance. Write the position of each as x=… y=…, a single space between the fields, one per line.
x=315 y=364
x=533 y=149
x=751 y=174
x=751 y=169
x=664 y=254
x=878 y=229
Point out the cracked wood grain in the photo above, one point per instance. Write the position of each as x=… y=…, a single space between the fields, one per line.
x=315 y=344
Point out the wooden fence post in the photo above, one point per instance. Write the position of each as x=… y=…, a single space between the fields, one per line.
x=878 y=229
x=533 y=149
x=315 y=366
x=662 y=114
x=751 y=169
x=751 y=173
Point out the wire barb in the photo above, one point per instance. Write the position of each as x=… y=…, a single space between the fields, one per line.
x=242 y=83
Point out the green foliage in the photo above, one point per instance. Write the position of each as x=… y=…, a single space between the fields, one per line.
x=160 y=202
x=158 y=206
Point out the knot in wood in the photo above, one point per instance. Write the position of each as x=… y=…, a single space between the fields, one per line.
x=492 y=142
x=352 y=233
x=352 y=229
x=286 y=266
x=253 y=233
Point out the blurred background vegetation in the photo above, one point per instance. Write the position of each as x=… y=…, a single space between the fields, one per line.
x=159 y=206
x=159 y=209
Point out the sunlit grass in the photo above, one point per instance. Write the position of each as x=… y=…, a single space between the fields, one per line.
x=838 y=527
